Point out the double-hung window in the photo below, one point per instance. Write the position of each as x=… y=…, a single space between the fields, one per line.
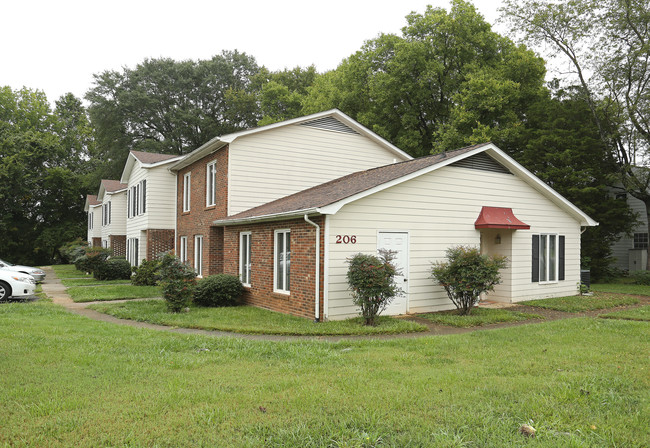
x=282 y=260
x=182 y=250
x=198 y=255
x=186 y=192
x=245 y=258
x=548 y=258
x=90 y=221
x=211 y=184
x=640 y=241
x=106 y=213
x=137 y=199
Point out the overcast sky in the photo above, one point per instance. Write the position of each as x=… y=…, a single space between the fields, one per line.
x=57 y=45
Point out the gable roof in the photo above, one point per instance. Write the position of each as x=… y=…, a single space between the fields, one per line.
x=110 y=187
x=223 y=140
x=329 y=197
x=147 y=160
x=91 y=201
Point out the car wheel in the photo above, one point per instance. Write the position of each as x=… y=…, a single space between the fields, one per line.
x=5 y=291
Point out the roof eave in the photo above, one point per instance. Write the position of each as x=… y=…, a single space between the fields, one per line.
x=270 y=217
x=207 y=148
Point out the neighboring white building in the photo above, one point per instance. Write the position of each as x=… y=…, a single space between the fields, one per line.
x=631 y=252
x=150 y=205
x=94 y=210
x=112 y=196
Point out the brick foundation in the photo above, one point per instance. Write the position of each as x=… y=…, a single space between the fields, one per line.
x=97 y=242
x=118 y=244
x=158 y=242
x=300 y=301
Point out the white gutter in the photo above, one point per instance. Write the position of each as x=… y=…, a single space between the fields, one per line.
x=272 y=216
x=317 y=292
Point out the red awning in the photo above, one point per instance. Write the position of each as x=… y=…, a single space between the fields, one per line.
x=498 y=218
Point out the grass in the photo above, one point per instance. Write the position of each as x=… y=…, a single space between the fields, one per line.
x=69 y=271
x=622 y=288
x=112 y=292
x=642 y=314
x=576 y=304
x=92 y=282
x=251 y=320
x=70 y=381
x=478 y=317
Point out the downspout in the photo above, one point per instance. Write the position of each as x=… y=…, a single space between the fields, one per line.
x=317 y=292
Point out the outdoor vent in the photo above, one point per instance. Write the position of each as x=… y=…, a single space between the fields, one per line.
x=482 y=162
x=330 y=124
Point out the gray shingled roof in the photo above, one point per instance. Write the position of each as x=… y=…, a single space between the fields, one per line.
x=150 y=157
x=113 y=185
x=346 y=186
x=92 y=199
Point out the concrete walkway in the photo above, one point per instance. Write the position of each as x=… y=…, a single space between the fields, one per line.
x=55 y=290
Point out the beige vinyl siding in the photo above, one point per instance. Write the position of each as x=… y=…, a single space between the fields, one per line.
x=621 y=248
x=439 y=210
x=161 y=199
x=96 y=231
x=273 y=164
x=118 y=215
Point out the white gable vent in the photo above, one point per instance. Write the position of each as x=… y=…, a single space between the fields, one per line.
x=483 y=162
x=330 y=124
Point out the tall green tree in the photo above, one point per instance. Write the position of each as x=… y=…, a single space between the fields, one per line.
x=42 y=164
x=606 y=45
x=446 y=80
x=282 y=93
x=171 y=107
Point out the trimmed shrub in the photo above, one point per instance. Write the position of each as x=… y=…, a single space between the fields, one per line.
x=467 y=274
x=69 y=252
x=178 y=281
x=641 y=277
x=372 y=281
x=146 y=274
x=93 y=258
x=218 y=290
x=113 y=269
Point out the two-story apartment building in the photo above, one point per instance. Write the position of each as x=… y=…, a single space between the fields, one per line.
x=93 y=209
x=112 y=196
x=150 y=205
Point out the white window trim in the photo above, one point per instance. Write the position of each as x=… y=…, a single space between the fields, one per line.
x=211 y=184
x=90 y=221
x=198 y=255
x=183 y=249
x=245 y=249
x=187 y=189
x=287 y=232
x=547 y=258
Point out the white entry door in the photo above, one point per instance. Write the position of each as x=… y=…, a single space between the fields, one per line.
x=398 y=242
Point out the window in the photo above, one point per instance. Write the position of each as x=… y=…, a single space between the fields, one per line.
x=132 y=246
x=182 y=250
x=210 y=184
x=622 y=196
x=90 y=221
x=548 y=258
x=282 y=260
x=198 y=255
x=245 y=258
x=186 y=192
x=640 y=240
x=136 y=199
x=106 y=213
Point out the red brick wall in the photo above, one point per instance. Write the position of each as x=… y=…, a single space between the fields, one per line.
x=199 y=219
x=159 y=241
x=118 y=244
x=97 y=242
x=300 y=301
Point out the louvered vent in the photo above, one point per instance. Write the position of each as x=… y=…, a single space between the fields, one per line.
x=330 y=124
x=482 y=162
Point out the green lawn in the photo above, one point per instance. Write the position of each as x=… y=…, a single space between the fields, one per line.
x=622 y=288
x=576 y=304
x=478 y=317
x=248 y=319
x=642 y=313
x=112 y=292
x=70 y=381
x=69 y=271
x=92 y=282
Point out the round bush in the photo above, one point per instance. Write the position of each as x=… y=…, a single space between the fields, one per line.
x=218 y=290
x=113 y=269
x=146 y=274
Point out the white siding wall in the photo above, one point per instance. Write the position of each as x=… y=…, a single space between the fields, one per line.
x=439 y=210
x=621 y=248
x=118 y=215
x=96 y=231
x=161 y=200
x=273 y=164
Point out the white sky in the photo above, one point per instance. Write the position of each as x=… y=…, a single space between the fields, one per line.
x=56 y=46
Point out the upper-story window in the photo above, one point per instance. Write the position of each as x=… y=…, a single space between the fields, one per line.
x=186 y=192
x=211 y=184
x=136 y=199
x=106 y=213
x=90 y=221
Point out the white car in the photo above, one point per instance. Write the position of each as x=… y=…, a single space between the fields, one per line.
x=16 y=284
x=38 y=274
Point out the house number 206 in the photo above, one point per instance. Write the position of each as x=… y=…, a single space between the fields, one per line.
x=346 y=239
